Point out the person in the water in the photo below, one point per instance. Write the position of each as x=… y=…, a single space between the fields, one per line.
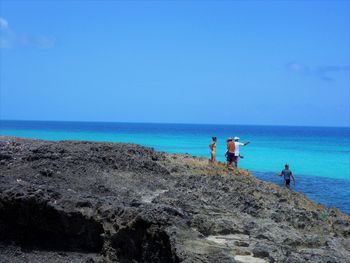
x=212 y=147
x=287 y=174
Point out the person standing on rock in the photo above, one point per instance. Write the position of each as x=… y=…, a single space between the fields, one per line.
x=212 y=147
x=230 y=154
x=287 y=174
x=237 y=154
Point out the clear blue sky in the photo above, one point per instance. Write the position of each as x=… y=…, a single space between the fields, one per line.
x=264 y=62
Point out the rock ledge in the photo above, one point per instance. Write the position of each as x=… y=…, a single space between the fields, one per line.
x=76 y=201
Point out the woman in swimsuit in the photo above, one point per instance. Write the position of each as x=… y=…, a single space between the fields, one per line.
x=212 y=147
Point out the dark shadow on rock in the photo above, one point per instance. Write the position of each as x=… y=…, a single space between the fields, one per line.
x=35 y=224
x=142 y=241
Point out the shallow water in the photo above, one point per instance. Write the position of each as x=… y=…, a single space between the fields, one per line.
x=328 y=191
x=318 y=156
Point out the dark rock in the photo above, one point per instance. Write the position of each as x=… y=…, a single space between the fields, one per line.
x=46 y=172
x=261 y=252
x=74 y=201
x=4 y=156
x=241 y=244
x=84 y=204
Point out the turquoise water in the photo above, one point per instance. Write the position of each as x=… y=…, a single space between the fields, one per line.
x=314 y=153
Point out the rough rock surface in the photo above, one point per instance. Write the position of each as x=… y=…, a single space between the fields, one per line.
x=74 y=201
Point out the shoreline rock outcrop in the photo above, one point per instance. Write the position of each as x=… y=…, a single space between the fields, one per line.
x=77 y=201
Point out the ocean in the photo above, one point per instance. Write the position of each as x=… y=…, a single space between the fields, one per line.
x=319 y=157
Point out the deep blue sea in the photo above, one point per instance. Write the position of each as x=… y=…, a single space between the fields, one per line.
x=318 y=156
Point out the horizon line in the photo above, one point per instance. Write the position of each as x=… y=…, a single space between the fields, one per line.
x=181 y=123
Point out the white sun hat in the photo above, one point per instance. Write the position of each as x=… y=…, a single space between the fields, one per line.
x=236 y=138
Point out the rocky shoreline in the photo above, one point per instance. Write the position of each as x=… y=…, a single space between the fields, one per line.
x=76 y=201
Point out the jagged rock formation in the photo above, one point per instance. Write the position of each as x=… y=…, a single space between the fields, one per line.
x=73 y=201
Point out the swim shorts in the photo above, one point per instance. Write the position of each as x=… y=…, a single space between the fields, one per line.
x=287 y=181
x=230 y=157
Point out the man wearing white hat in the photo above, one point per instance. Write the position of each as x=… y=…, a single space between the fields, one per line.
x=237 y=145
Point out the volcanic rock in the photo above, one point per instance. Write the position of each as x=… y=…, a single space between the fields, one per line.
x=78 y=201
